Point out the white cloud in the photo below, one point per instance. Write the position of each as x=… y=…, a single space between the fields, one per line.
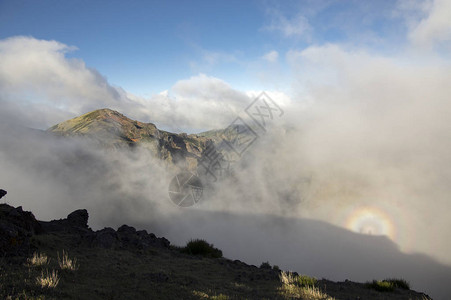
x=164 y=93
x=210 y=59
x=377 y=132
x=40 y=87
x=202 y=102
x=36 y=73
x=298 y=26
x=436 y=27
x=213 y=58
x=271 y=56
x=282 y=99
x=429 y=21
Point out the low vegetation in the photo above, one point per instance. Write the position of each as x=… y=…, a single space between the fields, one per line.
x=38 y=259
x=67 y=263
x=203 y=248
x=139 y=265
x=399 y=283
x=388 y=285
x=315 y=293
x=380 y=286
x=30 y=280
x=48 y=280
x=301 y=286
x=267 y=265
x=306 y=281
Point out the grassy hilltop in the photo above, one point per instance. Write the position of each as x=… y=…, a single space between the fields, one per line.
x=65 y=259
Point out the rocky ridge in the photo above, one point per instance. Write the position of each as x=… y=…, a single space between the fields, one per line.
x=17 y=227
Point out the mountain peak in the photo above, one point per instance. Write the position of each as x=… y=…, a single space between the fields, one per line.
x=83 y=122
x=107 y=124
x=103 y=113
x=112 y=129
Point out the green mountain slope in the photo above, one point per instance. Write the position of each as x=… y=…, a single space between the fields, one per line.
x=112 y=129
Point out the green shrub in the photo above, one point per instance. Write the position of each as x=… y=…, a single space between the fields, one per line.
x=388 y=285
x=305 y=281
x=398 y=283
x=202 y=247
x=265 y=265
x=381 y=286
x=289 y=278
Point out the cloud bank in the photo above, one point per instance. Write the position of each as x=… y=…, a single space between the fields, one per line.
x=363 y=145
x=435 y=27
x=41 y=86
x=377 y=134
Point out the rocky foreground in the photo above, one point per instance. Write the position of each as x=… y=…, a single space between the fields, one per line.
x=65 y=259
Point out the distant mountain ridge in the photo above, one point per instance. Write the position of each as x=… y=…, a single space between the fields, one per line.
x=112 y=129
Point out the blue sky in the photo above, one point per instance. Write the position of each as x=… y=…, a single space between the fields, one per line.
x=69 y=57
x=146 y=46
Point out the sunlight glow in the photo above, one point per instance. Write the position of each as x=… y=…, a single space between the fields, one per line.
x=372 y=221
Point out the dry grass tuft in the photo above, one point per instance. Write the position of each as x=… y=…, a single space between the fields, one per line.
x=312 y=292
x=67 y=263
x=48 y=280
x=300 y=286
x=38 y=259
x=202 y=295
x=287 y=278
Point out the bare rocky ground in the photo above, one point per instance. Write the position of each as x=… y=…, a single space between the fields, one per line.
x=133 y=264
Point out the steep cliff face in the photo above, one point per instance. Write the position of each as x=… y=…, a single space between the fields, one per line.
x=112 y=129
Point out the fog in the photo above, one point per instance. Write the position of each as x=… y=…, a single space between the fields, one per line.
x=352 y=181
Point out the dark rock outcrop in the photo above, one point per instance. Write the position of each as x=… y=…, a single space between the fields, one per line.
x=130 y=237
x=105 y=238
x=2 y=193
x=79 y=218
x=76 y=222
x=126 y=237
x=16 y=228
